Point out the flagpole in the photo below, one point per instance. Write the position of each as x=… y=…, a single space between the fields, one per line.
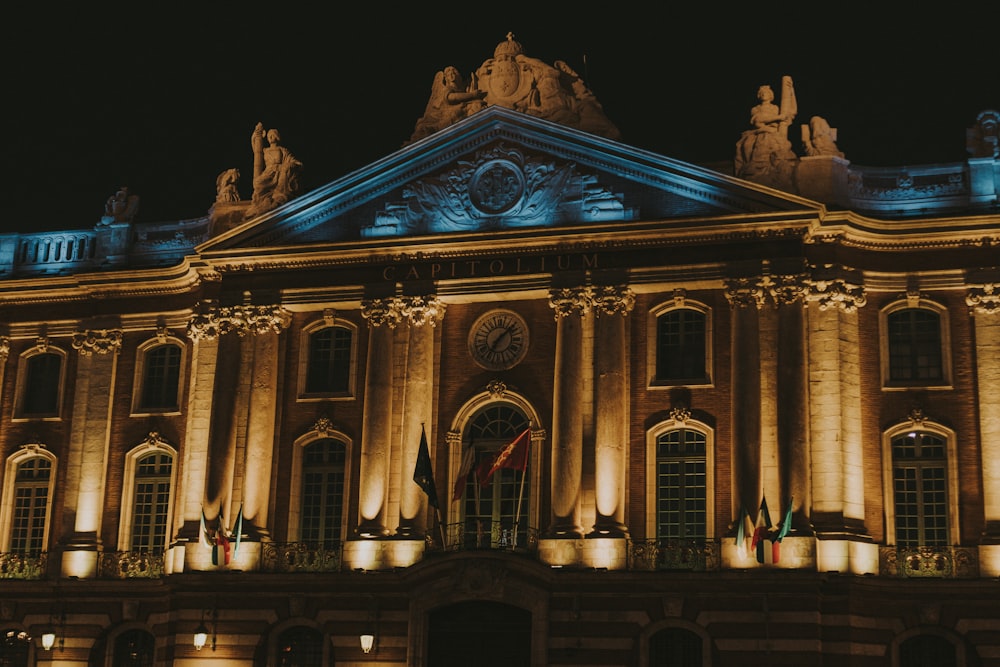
x=520 y=494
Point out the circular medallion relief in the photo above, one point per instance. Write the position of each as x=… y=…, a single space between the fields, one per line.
x=499 y=340
x=496 y=187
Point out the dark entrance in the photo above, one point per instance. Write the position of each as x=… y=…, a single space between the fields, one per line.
x=479 y=634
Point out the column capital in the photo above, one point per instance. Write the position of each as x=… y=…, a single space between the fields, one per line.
x=984 y=299
x=246 y=319
x=612 y=300
x=837 y=293
x=379 y=312
x=422 y=310
x=100 y=341
x=568 y=300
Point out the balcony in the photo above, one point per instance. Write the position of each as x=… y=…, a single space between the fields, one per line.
x=15 y=565
x=492 y=535
x=130 y=565
x=693 y=555
x=945 y=562
x=294 y=557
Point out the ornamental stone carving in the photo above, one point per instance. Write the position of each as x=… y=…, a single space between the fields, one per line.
x=4 y=348
x=101 y=341
x=422 y=310
x=382 y=312
x=984 y=298
x=837 y=293
x=568 y=300
x=612 y=300
x=766 y=290
x=243 y=320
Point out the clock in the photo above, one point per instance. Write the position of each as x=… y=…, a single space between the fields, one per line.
x=499 y=340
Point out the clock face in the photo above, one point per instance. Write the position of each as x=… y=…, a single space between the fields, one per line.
x=499 y=340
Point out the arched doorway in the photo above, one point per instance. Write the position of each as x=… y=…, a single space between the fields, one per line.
x=479 y=634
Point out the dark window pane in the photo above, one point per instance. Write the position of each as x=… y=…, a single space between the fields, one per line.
x=915 y=346
x=41 y=387
x=161 y=374
x=920 y=484
x=680 y=346
x=322 y=500
x=329 y=368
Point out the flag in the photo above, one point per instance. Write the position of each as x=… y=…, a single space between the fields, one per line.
x=204 y=537
x=741 y=536
x=783 y=528
x=513 y=456
x=238 y=533
x=468 y=458
x=220 y=552
x=762 y=532
x=423 y=471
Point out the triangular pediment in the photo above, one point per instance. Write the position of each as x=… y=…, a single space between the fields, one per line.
x=504 y=170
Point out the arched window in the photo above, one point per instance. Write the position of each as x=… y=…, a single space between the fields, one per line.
x=680 y=485
x=927 y=651
x=133 y=648
x=300 y=646
x=679 y=337
x=920 y=489
x=39 y=381
x=14 y=645
x=321 y=513
x=32 y=486
x=327 y=361
x=158 y=377
x=675 y=647
x=915 y=344
x=495 y=515
x=151 y=502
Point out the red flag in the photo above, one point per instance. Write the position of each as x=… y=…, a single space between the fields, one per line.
x=513 y=456
x=762 y=531
x=468 y=458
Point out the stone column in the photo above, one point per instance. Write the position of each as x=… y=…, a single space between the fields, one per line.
x=570 y=306
x=423 y=314
x=611 y=306
x=383 y=315
x=984 y=303
x=260 y=426
x=745 y=297
x=838 y=489
x=90 y=436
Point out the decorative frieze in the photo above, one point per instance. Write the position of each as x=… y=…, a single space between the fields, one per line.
x=100 y=341
x=765 y=290
x=243 y=320
x=984 y=298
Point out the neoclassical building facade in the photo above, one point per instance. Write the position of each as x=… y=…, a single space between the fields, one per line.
x=675 y=415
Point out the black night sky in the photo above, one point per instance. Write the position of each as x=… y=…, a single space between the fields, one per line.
x=163 y=99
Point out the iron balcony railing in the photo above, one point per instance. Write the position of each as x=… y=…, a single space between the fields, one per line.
x=696 y=555
x=130 y=565
x=500 y=535
x=301 y=557
x=941 y=562
x=17 y=565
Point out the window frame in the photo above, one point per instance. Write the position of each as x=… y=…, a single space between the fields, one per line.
x=296 y=483
x=679 y=302
x=126 y=516
x=944 y=332
x=305 y=349
x=652 y=485
x=951 y=474
x=21 y=385
x=138 y=383
x=31 y=451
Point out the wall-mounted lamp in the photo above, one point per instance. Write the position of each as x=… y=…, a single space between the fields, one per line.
x=201 y=632
x=54 y=633
x=367 y=636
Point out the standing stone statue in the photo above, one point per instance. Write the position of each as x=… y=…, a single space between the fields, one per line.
x=275 y=172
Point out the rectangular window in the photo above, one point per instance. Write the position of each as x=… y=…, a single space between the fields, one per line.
x=160 y=377
x=41 y=387
x=31 y=500
x=681 y=487
x=151 y=503
x=920 y=486
x=322 y=493
x=329 y=368
x=680 y=346
x=915 y=347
